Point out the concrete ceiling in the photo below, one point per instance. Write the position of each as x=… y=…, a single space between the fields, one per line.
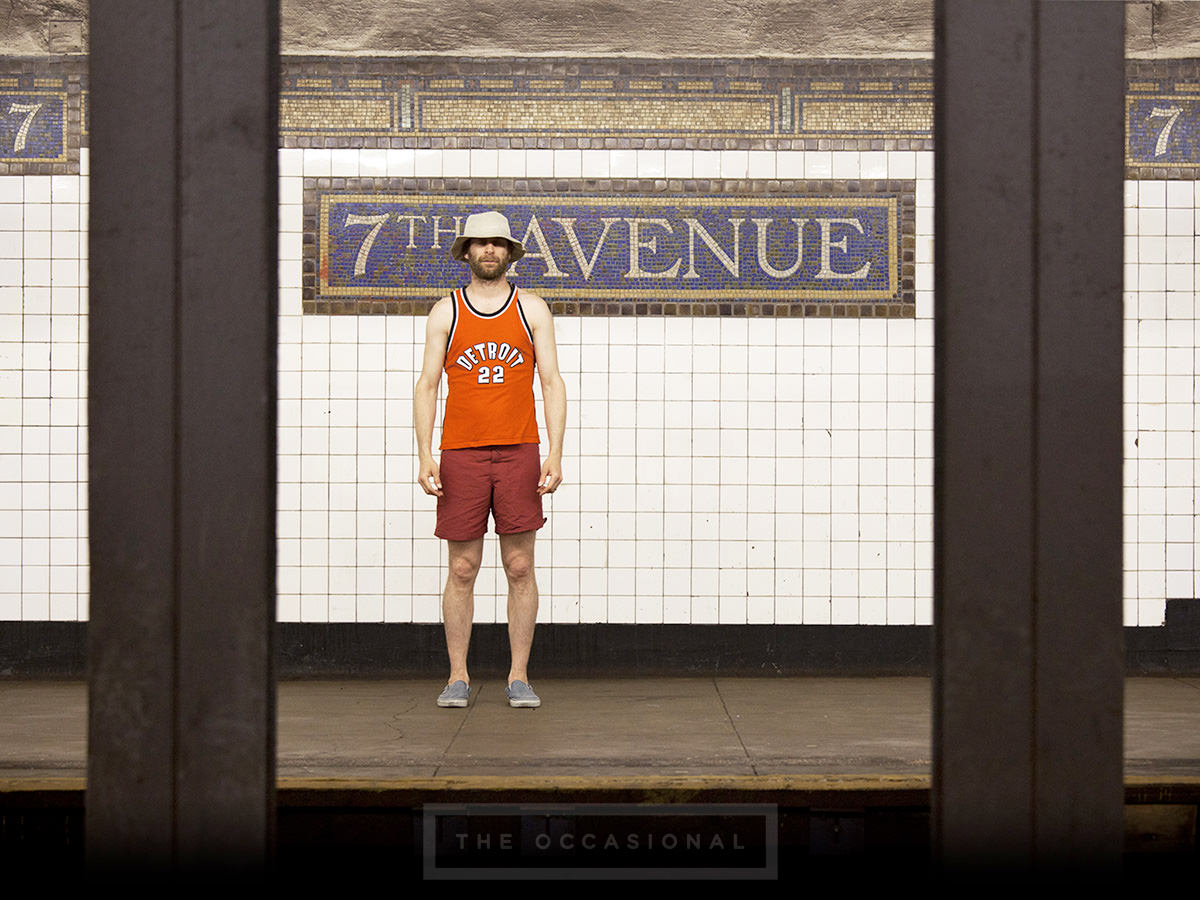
x=655 y=28
x=668 y=28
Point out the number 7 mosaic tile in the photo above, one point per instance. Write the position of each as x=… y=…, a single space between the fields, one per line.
x=41 y=115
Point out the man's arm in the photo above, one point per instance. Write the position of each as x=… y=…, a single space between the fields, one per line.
x=554 y=392
x=437 y=332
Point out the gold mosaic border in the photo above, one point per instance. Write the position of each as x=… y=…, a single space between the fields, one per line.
x=850 y=118
x=315 y=301
x=338 y=112
x=725 y=115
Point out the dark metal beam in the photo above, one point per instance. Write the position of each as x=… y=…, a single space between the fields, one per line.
x=182 y=342
x=1080 y=657
x=1028 y=231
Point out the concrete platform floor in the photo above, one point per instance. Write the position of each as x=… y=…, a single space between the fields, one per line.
x=741 y=727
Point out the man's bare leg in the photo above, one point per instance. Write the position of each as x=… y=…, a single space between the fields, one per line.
x=516 y=552
x=458 y=603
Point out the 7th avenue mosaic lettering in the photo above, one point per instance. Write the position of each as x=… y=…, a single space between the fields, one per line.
x=822 y=248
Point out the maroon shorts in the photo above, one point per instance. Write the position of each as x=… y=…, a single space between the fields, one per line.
x=502 y=480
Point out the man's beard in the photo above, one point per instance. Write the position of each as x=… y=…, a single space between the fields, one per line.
x=488 y=271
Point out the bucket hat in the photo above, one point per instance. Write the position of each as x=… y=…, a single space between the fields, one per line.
x=490 y=224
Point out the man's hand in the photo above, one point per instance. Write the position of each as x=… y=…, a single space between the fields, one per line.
x=551 y=476
x=430 y=478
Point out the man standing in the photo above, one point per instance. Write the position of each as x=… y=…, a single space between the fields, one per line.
x=487 y=337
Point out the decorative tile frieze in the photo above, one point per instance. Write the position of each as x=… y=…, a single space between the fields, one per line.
x=582 y=103
x=732 y=248
x=681 y=104
x=618 y=103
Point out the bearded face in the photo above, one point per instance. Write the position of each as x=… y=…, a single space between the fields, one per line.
x=488 y=258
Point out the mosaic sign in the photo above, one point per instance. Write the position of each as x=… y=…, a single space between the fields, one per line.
x=1163 y=130
x=690 y=249
x=32 y=126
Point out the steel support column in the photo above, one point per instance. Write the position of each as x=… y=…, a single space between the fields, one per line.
x=182 y=344
x=1029 y=662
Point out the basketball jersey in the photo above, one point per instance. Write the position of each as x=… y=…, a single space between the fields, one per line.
x=489 y=376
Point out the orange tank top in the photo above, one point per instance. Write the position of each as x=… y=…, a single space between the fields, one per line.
x=489 y=375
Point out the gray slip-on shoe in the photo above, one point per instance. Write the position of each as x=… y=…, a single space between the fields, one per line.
x=455 y=695
x=521 y=696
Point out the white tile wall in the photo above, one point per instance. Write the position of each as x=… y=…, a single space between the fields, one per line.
x=1160 y=370
x=718 y=470
x=43 y=391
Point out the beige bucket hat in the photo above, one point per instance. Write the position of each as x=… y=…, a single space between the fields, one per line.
x=490 y=224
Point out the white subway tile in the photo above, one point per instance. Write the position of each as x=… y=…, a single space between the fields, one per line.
x=594 y=163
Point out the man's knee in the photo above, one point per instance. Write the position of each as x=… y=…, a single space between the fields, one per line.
x=464 y=568
x=518 y=565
